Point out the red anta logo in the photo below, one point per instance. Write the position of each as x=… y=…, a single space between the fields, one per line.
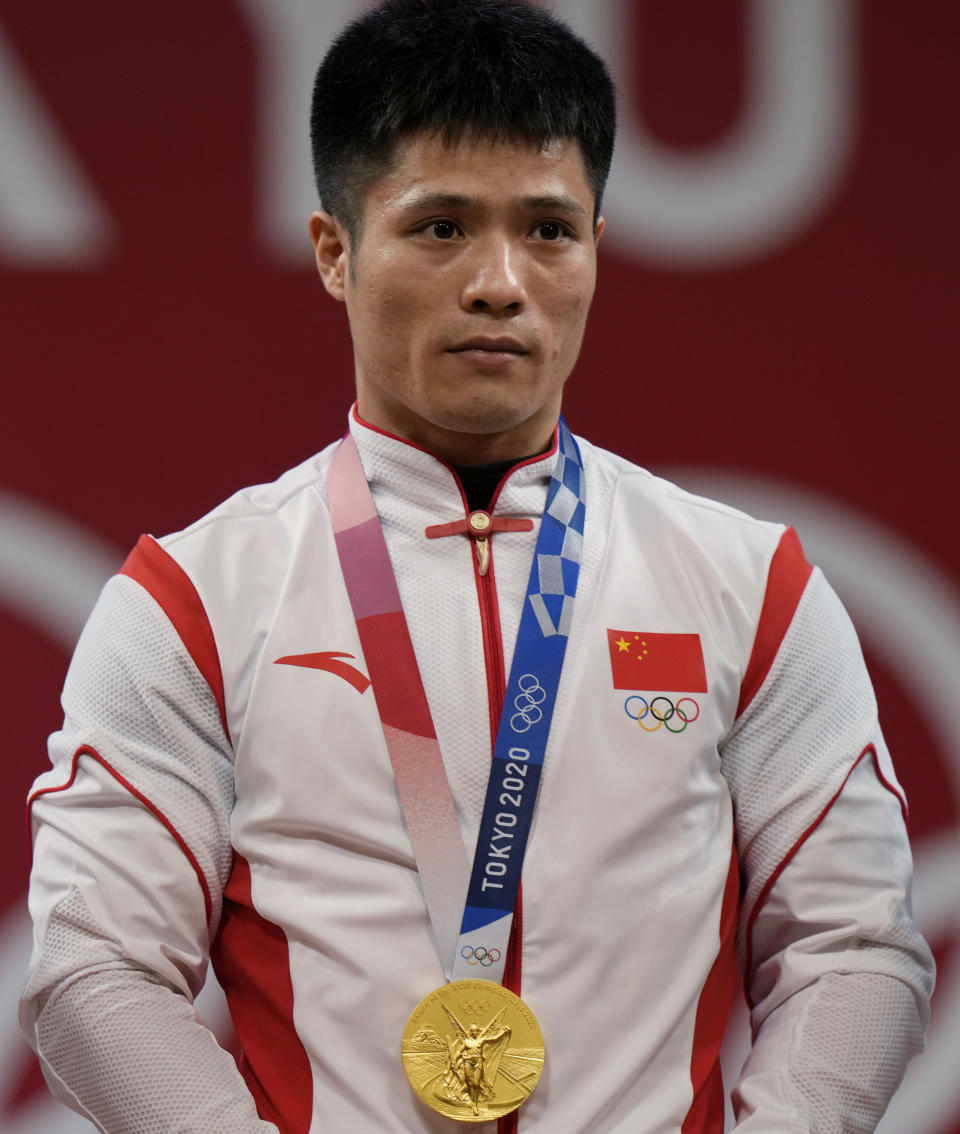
x=330 y=661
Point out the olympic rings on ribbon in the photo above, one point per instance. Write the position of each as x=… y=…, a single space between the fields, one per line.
x=480 y=956
x=661 y=710
x=527 y=703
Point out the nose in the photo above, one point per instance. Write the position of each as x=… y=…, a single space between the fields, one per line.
x=494 y=284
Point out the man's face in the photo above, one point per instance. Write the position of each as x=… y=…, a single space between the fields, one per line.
x=467 y=293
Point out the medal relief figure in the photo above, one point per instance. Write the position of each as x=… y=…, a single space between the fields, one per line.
x=473 y=1056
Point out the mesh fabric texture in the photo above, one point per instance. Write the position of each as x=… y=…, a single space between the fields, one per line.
x=797 y=740
x=148 y=711
x=851 y=1048
x=125 y=1049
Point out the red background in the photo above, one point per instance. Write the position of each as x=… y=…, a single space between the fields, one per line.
x=139 y=392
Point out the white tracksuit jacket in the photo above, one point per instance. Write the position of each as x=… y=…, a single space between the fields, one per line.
x=207 y=802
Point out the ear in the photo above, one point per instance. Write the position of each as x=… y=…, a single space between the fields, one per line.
x=331 y=246
x=598 y=230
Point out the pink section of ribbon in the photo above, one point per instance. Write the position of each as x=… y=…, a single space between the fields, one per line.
x=347 y=484
x=422 y=785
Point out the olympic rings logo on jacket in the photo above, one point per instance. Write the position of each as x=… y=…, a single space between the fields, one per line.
x=660 y=710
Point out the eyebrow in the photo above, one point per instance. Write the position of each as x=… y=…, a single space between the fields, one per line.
x=561 y=202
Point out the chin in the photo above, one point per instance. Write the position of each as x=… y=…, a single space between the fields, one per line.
x=488 y=407
x=481 y=420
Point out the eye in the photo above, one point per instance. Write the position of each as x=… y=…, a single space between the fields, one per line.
x=551 y=230
x=442 y=229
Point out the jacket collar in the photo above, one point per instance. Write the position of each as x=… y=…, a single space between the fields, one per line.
x=394 y=465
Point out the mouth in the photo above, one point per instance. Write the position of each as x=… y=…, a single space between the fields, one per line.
x=490 y=352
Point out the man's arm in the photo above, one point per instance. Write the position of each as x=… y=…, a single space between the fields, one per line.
x=131 y=853
x=837 y=975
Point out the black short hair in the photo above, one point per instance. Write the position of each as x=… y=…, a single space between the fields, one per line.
x=501 y=69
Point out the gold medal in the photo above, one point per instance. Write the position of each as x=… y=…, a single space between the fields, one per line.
x=472 y=1050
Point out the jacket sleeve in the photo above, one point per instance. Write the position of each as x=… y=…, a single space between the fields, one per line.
x=837 y=976
x=131 y=854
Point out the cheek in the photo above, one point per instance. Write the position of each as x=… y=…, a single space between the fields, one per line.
x=380 y=322
x=377 y=322
x=569 y=318
x=568 y=287
x=395 y=311
x=383 y=292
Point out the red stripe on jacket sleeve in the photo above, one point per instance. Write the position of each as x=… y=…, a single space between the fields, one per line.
x=251 y=958
x=786 y=581
x=160 y=574
x=764 y=894
x=86 y=750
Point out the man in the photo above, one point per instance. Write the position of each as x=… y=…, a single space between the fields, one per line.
x=248 y=770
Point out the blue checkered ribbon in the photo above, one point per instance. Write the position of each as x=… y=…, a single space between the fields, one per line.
x=528 y=706
x=560 y=546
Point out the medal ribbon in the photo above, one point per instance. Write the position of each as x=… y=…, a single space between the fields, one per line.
x=521 y=742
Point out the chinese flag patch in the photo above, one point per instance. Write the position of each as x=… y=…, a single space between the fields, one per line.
x=667 y=663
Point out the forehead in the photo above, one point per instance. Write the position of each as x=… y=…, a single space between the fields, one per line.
x=486 y=171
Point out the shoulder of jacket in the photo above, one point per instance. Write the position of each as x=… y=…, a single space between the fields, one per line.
x=261 y=510
x=667 y=504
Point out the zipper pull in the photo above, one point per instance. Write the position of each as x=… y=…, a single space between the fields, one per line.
x=480 y=524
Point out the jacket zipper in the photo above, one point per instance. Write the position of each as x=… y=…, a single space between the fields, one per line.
x=492 y=638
